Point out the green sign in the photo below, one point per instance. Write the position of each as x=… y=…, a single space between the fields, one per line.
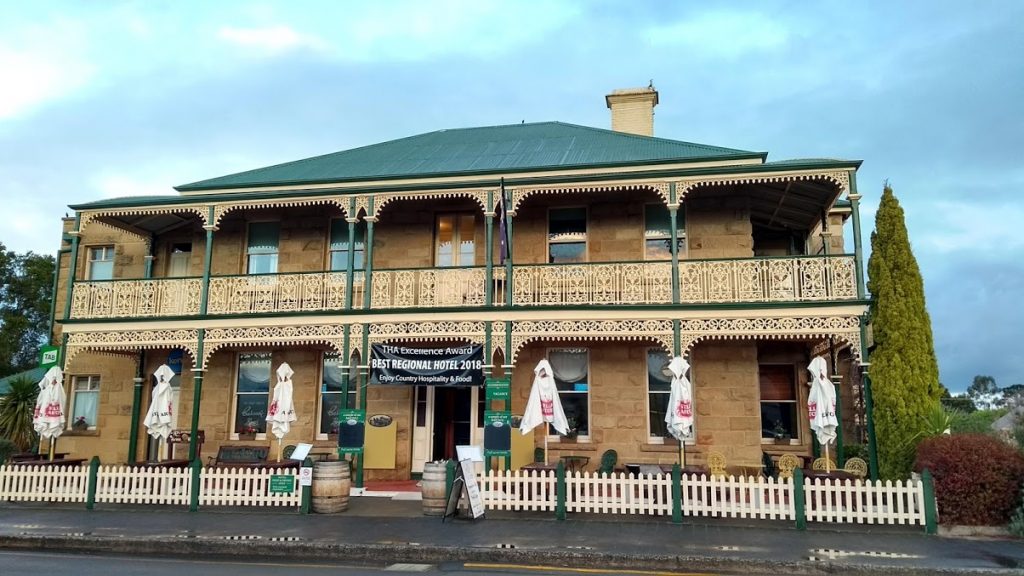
x=351 y=431
x=499 y=389
x=282 y=483
x=497 y=418
x=49 y=356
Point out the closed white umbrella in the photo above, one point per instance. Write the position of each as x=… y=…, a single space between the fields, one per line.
x=821 y=405
x=679 y=416
x=544 y=406
x=160 y=417
x=282 y=410
x=48 y=418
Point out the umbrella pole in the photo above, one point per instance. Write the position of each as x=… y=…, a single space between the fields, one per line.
x=828 y=466
x=682 y=454
x=545 y=448
x=53 y=447
x=279 y=449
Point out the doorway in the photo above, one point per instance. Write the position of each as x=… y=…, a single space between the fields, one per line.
x=453 y=420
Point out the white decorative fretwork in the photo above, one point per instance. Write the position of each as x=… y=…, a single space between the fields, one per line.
x=841 y=178
x=477 y=195
x=845 y=328
x=221 y=209
x=427 y=331
x=88 y=216
x=524 y=332
x=520 y=194
x=136 y=298
x=131 y=341
x=266 y=293
x=247 y=337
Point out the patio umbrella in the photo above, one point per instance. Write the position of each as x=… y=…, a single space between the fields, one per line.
x=48 y=418
x=282 y=410
x=821 y=405
x=544 y=405
x=679 y=417
x=160 y=418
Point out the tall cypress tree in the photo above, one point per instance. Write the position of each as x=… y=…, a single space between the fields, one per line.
x=904 y=371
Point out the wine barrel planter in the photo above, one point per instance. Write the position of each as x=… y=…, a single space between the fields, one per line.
x=433 y=488
x=331 y=486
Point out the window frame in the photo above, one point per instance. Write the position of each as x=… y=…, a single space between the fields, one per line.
x=580 y=438
x=360 y=237
x=235 y=393
x=797 y=437
x=277 y=248
x=112 y=248
x=353 y=392
x=681 y=237
x=586 y=235
x=691 y=440
x=456 y=238
x=75 y=392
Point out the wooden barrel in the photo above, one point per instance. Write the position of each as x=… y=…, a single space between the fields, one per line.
x=331 y=486
x=433 y=487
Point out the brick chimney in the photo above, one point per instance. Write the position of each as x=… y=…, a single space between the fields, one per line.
x=633 y=110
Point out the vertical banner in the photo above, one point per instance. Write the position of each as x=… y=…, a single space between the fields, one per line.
x=447 y=366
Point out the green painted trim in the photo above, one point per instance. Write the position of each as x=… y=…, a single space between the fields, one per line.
x=207 y=264
x=53 y=293
x=858 y=249
x=364 y=379
x=677 y=345
x=869 y=402
x=72 y=267
x=197 y=394
x=350 y=264
x=509 y=268
x=488 y=350
x=677 y=494
x=307 y=491
x=799 y=502
x=111 y=280
x=367 y=276
x=509 y=352
x=148 y=271
x=133 y=431
x=90 y=494
x=346 y=345
x=560 y=491
x=197 y=474
x=489 y=248
x=840 y=457
x=449 y=479
x=931 y=511
x=672 y=214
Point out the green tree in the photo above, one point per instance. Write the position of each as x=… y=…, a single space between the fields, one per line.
x=904 y=371
x=961 y=404
x=985 y=392
x=16 y=409
x=26 y=281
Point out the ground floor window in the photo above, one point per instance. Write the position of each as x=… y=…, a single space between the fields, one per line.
x=332 y=392
x=252 y=393
x=85 y=399
x=571 y=368
x=778 y=401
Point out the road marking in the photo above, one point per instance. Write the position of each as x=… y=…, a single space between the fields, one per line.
x=408 y=567
x=527 y=567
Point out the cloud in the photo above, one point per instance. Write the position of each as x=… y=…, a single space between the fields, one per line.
x=974 y=228
x=272 y=39
x=722 y=34
x=35 y=75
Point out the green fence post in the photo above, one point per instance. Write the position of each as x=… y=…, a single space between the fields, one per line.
x=197 y=470
x=560 y=492
x=677 y=494
x=307 y=491
x=931 y=511
x=798 y=499
x=449 y=479
x=94 y=471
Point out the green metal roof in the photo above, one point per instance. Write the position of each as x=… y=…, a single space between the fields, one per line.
x=33 y=375
x=491 y=149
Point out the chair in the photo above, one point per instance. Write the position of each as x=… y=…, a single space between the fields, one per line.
x=538 y=454
x=287 y=452
x=767 y=465
x=608 y=461
x=819 y=464
x=716 y=464
x=788 y=463
x=857 y=467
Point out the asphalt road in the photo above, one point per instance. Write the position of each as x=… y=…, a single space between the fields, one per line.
x=103 y=565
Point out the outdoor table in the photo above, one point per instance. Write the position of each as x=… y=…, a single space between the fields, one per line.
x=575 y=463
x=34 y=456
x=55 y=462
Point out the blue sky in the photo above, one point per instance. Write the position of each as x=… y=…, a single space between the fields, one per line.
x=106 y=99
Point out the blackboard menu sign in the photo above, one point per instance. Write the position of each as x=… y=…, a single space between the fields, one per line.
x=497 y=431
x=351 y=431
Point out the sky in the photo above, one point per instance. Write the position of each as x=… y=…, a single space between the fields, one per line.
x=103 y=99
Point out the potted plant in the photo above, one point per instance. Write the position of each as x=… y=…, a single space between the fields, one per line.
x=247 y=431
x=574 y=429
x=780 y=433
x=80 y=425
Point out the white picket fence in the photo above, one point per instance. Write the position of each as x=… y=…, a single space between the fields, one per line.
x=139 y=485
x=847 y=501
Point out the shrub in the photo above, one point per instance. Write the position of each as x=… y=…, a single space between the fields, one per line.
x=6 y=449
x=855 y=451
x=1017 y=520
x=979 y=422
x=977 y=477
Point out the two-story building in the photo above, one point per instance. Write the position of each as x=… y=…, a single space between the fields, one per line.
x=625 y=249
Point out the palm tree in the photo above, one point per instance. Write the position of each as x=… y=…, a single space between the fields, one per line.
x=16 y=409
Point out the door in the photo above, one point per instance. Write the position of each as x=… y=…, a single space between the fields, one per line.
x=443 y=418
x=180 y=263
x=423 y=423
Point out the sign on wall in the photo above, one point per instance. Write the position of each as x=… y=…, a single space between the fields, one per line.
x=446 y=366
x=351 y=431
x=49 y=356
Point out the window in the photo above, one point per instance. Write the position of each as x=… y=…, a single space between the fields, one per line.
x=658 y=232
x=180 y=262
x=262 y=249
x=456 y=240
x=101 y=263
x=252 y=393
x=778 y=401
x=659 y=385
x=332 y=392
x=571 y=367
x=339 y=245
x=85 y=401
x=567 y=235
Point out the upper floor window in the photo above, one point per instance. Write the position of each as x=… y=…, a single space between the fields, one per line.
x=339 y=245
x=252 y=393
x=571 y=367
x=262 y=248
x=567 y=235
x=658 y=232
x=85 y=401
x=101 y=263
x=456 y=240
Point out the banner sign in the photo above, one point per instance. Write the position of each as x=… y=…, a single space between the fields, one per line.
x=448 y=366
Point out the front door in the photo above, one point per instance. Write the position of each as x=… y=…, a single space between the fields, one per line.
x=444 y=417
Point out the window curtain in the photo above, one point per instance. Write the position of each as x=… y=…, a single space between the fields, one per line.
x=263 y=237
x=85 y=405
x=657 y=363
x=568 y=366
x=254 y=374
